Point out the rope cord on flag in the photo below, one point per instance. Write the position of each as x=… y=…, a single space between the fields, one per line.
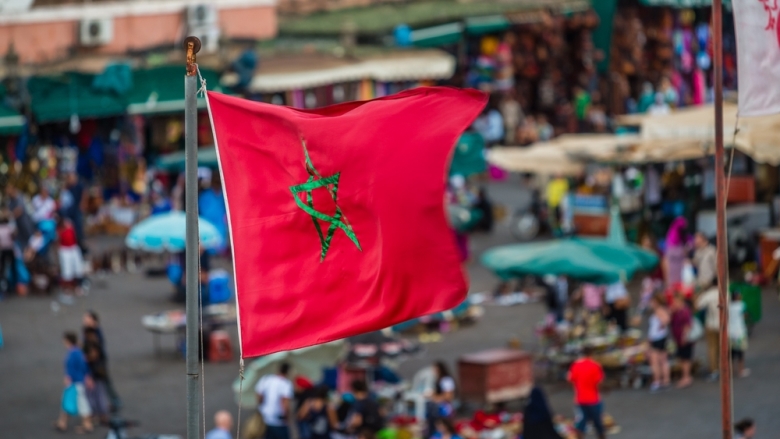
x=731 y=159
x=202 y=91
x=240 y=396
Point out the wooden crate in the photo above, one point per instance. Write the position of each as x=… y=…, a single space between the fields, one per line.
x=592 y=225
x=742 y=189
x=495 y=375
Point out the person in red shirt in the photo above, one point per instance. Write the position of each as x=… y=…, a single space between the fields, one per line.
x=586 y=376
x=71 y=261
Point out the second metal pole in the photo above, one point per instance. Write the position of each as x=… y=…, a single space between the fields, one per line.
x=720 y=200
x=192 y=269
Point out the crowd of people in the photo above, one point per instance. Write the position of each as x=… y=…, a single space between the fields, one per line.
x=33 y=231
x=282 y=401
x=680 y=301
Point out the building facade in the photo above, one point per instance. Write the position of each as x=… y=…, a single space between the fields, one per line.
x=51 y=33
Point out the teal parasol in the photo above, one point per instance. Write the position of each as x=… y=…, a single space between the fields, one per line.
x=595 y=260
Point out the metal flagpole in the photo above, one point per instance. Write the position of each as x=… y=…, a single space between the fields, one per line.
x=192 y=46
x=720 y=186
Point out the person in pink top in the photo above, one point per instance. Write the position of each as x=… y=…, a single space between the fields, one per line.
x=592 y=297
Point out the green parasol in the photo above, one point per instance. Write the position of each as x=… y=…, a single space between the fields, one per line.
x=595 y=260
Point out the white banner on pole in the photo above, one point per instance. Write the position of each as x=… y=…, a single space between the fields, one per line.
x=758 y=56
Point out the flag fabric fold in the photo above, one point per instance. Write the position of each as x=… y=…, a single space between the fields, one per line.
x=336 y=215
x=758 y=56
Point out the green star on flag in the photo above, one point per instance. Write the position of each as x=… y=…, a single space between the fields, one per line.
x=338 y=220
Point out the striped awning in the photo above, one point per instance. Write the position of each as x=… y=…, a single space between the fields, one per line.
x=11 y=122
x=402 y=66
x=682 y=4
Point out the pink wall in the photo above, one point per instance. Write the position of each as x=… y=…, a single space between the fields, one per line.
x=257 y=23
x=54 y=40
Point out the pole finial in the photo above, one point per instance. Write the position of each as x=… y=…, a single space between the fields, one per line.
x=192 y=46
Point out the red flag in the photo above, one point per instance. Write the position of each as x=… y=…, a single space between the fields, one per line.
x=336 y=215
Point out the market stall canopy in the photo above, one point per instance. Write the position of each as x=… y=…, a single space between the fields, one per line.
x=589 y=259
x=11 y=121
x=165 y=232
x=174 y=162
x=308 y=71
x=382 y=18
x=469 y=155
x=57 y=98
x=308 y=362
x=161 y=90
x=442 y=35
x=594 y=146
x=693 y=128
x=487 y=24
x=538 y=159
x=683 y=4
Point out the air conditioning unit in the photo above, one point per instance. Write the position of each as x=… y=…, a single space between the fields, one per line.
x=201 y=15
x=96 y=31
x=209 y=37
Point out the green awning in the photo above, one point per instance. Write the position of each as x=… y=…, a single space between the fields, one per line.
x=602 y=35
x=57 y=98
x=469 y=156
x=438 y=35
x=174 y=162
x=682 y=4
x=161 y=90
x=382 y=18
x=487 y=25
x=11 y=122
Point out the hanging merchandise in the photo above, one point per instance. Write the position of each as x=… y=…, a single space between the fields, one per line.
x=366 y=90
x=75 y=124
x=703 y=36
x=311 y=100
x=205 y=137
x=381 y=89
x=173 y=133
x=699 y=87
x=687 y=17
x=488 y=46
x=505 y=75
x=677 y=40
x=68 y=158
x=138 y=124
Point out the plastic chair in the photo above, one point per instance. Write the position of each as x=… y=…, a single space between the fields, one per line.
x=220 y=347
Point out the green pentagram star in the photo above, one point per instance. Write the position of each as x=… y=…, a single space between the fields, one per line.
x=338 y=220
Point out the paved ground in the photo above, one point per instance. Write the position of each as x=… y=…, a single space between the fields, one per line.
x=153 y=388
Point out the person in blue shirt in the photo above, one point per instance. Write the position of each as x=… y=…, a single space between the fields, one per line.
x=77 y=379
x=160 y=203
x=445 y=430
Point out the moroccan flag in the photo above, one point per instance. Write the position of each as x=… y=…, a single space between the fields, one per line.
x=758 y=56
x=337 y=216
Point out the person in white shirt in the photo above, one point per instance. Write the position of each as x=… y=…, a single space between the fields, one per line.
x=274 y=393
x=659 y=108
x=440 y=404
x=43 y=206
